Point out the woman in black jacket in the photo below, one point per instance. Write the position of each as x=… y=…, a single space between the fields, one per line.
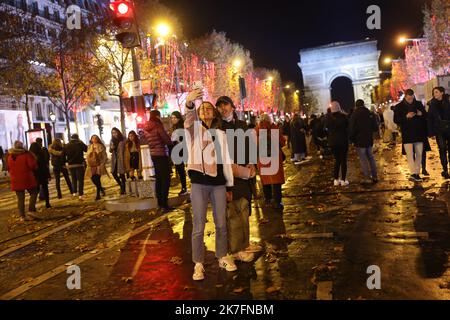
x=177 y=136
x=42 y=173
x=58 y=160
x=337 y=126
x=298 y=138
x=439 y=125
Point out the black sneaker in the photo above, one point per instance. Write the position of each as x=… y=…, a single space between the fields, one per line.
x=375 y=180
x=425 y=173
x=183 y=192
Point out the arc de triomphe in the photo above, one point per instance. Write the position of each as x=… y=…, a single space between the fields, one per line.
x=357 y=61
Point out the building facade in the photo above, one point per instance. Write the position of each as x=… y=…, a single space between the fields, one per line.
x=46 y=18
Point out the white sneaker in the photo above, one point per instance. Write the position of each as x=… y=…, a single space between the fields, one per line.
x=74 y=194
x=244 y=256
x=337 y=183
x=227 y=263
x=345 y=183
x=198 y=272
x=80 y=198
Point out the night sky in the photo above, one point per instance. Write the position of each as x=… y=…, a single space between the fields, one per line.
x=275 y=31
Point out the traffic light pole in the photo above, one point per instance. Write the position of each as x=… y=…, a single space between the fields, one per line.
x=136 y=69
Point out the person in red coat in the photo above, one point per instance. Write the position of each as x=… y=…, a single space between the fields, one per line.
x=21 y=164
x=270 y=165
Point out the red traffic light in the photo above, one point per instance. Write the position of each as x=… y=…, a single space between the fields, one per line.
x=123 y=8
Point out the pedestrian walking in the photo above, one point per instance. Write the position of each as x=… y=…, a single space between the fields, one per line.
x=210 y=176
x=46 y=158
x=298 y=138
x=21 y=166
x=158 y=141
x=74 y=151
x=96 y=159
x=337 y=126
x=117 y=150
x=58 y=161
x=177 y=137
x=132 y=156
x=244 y=172
x=439 y=126
x=390 y=128
x=42 y=173
x=272 y=183
x=411 y=116
x=361 y=128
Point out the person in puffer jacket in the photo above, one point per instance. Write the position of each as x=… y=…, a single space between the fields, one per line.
x=158 y=140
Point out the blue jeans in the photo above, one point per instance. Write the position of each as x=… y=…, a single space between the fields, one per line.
x=367 y=159
x=200 y=196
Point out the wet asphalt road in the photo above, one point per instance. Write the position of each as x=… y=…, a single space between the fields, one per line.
x=319 y=247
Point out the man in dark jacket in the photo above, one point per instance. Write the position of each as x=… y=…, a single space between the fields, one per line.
x=74 y=151
x=242 y=188
x=411 y=116
x=362 y=126
x=439 y=125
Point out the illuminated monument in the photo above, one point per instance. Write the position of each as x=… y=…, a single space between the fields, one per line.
x=357 y=61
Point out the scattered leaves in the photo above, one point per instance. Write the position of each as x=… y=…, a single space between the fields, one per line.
x=273 y=289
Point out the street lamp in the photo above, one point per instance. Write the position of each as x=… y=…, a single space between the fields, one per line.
x=403 y=40
x=237 y=63
x=288 y=87
x=52 y=117
x=163 y=30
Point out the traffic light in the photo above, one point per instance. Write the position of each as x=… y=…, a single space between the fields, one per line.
x=125 y=21
x=100 y=124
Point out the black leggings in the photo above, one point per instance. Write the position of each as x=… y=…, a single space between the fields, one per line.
x=182 y=174
x=97 y=181
x=443 y=142
x=120 y=179
x=340 y=161
x=43 y=190
x=162 y=183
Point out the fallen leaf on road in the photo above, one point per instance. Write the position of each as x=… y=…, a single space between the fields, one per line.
x=273 y=289
x=311 y=223
x=49 y=254
x=127 y=279
x=176 y=260
x=219 y=285
x=349 y=221
x=339 y=248
x=26 y=280
x=238 y=290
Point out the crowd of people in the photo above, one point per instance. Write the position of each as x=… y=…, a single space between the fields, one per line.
x=228 y=182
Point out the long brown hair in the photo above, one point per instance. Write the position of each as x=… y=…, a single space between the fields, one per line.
x=99 y=140
x=135 y=138
x=216 y=123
